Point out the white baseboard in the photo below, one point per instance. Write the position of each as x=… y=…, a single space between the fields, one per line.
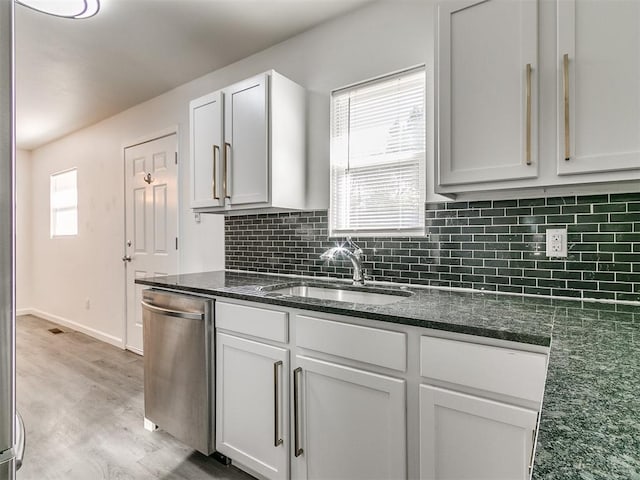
x=134 y=350
x=149 y=425
x=92 y=332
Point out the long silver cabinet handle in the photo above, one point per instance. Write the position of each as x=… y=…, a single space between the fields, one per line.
x=533 y=449
x=225 y=180
x=216 y=148
x=296 y=414
x=565 y=90
x=528 y=132
x=277 y=441
x=172 y=313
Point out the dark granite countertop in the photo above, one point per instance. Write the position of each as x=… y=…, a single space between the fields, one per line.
x=489 y=315
x=590 y=422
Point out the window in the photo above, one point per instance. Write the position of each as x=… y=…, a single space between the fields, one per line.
x=64 y=203
x=378 y=157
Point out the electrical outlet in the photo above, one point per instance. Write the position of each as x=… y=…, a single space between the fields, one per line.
x=557 y=242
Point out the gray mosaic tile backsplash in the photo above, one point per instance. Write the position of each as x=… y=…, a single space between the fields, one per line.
x=494 y=245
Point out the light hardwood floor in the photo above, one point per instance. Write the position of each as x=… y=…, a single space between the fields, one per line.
x=82 y=404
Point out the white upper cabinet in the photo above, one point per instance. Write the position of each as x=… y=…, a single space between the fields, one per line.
x=487 y=106
x=536 y=94
x=206 y=146
x=248 y=146
x=245 y=141
x=598 y=86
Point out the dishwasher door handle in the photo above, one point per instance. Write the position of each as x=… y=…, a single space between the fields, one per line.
x=172 y=313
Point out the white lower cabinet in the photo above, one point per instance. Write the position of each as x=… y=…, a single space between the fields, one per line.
x=348 y=423
x=366 y=400
x=464 y=437
x=252 y=407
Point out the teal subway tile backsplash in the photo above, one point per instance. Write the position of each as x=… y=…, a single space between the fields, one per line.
x=486 y=245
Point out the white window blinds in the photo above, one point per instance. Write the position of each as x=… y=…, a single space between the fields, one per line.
x=64 y=203
x=378 y=157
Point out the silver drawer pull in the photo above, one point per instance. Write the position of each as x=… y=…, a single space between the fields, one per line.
x=565 y=88
x=216 y=148
x=296 y=414
x=528 y=132
x=226 y=187
x=277 y=441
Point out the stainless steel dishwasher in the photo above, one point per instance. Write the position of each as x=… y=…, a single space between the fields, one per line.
x=178 y=370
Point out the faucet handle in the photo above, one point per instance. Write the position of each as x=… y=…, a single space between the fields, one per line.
x=365 y=274
x=354 y=245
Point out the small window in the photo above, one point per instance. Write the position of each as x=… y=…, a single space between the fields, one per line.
x=378 y=157
x=64 y=203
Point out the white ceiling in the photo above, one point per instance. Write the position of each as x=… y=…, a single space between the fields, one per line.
x=73 y=73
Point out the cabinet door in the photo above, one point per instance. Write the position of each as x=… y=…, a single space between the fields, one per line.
x=351 y=423
x=252 y=405
x=599 y=124
x=206 y=150
x=466 y=437
x=246 y=146
x=487 y=103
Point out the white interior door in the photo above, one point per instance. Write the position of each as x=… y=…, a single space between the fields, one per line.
x=151 y=233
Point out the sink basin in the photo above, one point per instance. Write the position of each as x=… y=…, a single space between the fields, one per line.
x=341 y=294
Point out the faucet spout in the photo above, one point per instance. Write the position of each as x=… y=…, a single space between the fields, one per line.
x=355 y=257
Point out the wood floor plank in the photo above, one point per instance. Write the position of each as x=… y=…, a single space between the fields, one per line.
x=82 y=404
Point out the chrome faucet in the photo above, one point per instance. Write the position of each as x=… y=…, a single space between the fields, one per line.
x=355 y=256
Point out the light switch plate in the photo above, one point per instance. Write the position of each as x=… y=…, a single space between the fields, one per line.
x=557 y=242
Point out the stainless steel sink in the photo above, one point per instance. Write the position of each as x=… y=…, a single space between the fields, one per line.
x=369 y=296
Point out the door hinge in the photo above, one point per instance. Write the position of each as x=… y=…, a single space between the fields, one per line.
x=176 y=157
x=176 y=243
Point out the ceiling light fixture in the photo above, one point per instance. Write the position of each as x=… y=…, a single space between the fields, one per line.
x=64 y=8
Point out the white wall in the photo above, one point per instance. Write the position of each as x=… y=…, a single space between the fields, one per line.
x=23 y=230
x=380 y=38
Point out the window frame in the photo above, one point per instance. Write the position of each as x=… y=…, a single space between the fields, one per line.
x=419 y=228
x=54 y=210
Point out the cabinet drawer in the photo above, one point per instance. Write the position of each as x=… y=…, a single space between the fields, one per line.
x=495 y=369
x=364 y=344
x=258 y=322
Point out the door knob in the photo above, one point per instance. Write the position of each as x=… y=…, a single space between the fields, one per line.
x=126 y=258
